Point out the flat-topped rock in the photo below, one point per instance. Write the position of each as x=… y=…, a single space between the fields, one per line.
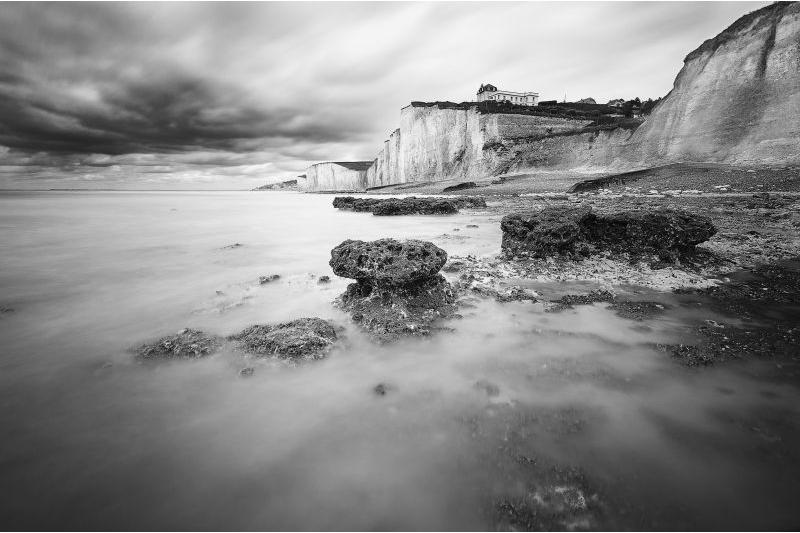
x=185 y=344
x=304 y=338
x=387 y=261
x=581 y=232
x=412 y=205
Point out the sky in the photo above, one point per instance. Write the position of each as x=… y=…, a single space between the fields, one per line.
x=235 y=95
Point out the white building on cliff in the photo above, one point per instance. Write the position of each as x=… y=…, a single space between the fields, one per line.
x=490 y=92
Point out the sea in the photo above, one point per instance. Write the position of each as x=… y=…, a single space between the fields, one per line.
x=499 y=414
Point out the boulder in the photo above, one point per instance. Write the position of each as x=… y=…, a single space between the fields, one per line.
x=304 y=338
x=387 y=261
x=415 y=206
x=186 y=344
x=580 y=232
x=412 y=205
x=391 y=312
x=398 y=290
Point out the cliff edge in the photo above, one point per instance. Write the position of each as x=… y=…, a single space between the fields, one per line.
x=736 y=99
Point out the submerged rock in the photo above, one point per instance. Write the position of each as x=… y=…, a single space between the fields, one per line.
x=324 y=279
x=398 y=290
x=186 y=344
x=576 y=232
x=268 y=279
x=390 y=312
x=304 y=338
x=412 y=205
x=387 y=261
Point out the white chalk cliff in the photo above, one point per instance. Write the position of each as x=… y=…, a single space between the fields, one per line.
x=736 y=100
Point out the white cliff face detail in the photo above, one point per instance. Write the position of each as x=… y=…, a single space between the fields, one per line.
x=345 y=176
x=737 y=98
x=437 y=143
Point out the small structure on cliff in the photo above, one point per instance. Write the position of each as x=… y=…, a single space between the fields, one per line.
x=489 y=92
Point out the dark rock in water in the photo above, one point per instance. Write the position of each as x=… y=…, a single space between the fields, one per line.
x=232 y=246
x=415 y=206
x=247 y=371
x=355 y=204
x=576 y=232
x=387 y=261
x=637 y=310
x=472 y=225
x=6 y=310
x=398 y=290
x=390 y=312
x=186 y=344
x=412 y=205
x=304 y=338
x=460 y=186
x=381 y=389
x=324 y=279
x=569 y=300
x=267 y=279
x=488 y=387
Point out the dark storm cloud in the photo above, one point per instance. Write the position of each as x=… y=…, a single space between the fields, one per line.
x=198 y=92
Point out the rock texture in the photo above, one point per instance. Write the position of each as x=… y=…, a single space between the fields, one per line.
x=186 y=344
x=581 y=232
x=398 y=290
x=736 y=99
x=408 y=206
x=387 y=262
x=304 y=338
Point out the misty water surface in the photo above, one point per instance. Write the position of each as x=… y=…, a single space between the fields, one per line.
x=93 y=439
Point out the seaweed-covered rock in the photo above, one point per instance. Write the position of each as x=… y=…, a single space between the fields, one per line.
x=578 y=232
x=387 y=261
x=393 y=311
x=304 y=338
x=398 y=290
x=186 y=344
x=411 y=205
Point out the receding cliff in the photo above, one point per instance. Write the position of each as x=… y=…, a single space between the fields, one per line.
x=736 y=99
x=337 y=176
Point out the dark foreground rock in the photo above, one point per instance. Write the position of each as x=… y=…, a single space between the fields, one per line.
x=398 y=290
x=407 y=206
x=580 y=232
x=304 y=338
x=186 y=344
x=387 y=261
x=391 y=312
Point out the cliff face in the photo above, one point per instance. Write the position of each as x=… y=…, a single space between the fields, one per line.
x=737 y=98
x=435 y=143
x=340 y=176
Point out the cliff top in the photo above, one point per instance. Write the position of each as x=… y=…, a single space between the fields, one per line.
x=762 y=17
x=563 y=110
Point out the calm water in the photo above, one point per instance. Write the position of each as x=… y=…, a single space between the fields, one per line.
x=93 y=439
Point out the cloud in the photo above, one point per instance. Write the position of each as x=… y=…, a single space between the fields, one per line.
x=149 y=94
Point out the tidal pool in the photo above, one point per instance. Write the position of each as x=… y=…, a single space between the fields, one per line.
x=518 y=418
